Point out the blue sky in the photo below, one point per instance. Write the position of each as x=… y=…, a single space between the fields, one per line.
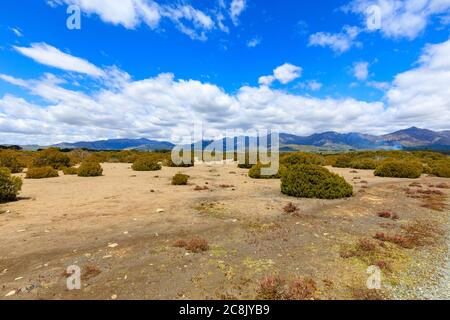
x=296 y=66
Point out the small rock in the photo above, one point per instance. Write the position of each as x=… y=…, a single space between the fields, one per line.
x=11 y=293
x=114 y=297
x=159 y=210
x=18 y=278
x=113 y=245
x=107 y=257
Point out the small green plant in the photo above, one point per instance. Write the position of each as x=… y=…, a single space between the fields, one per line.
x=41 y=173
x=180 y=179
x=399 y=169
x=51 y=157
x=146 y=164
x=9 y=185
x=311 y=181
x=70 y=171
x=90 y=169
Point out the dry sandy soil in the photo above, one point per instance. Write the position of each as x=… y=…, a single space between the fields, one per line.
x=113 y=229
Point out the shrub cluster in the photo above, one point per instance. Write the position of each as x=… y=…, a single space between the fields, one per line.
x=441 y=168
x=9 y=159
x=302 y=158
x=399 y=169
x=41 y=173
x=311 y=181
x=180 y=179
x=364 y=164
x=146 y=164
x=90 y=169
x=9 y=185
x=51 y=157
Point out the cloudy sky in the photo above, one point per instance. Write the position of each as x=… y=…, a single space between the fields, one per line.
x=149 y=68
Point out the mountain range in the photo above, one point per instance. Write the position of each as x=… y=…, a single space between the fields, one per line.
x=411 y=138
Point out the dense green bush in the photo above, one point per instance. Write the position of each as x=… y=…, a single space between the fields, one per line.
x=312 y=181
x=441 y=168
x=146 y=164
x=364 y=164
x=180 y=179
x=302 y=158
x=70 y=171
x=9 y=159
x=343 y=161
x=51 y=157
x=41 y=173
x=255 y=172
x=9 y=185
x=90 y=169
x=399 y=169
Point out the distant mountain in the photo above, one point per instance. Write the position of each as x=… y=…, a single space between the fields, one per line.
x=411 y=138
x=119 y=144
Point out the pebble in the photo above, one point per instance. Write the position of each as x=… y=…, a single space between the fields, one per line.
x=11 y=293
x=113 y=245
x=18 y=278
x=159 y=210
x=114 y=297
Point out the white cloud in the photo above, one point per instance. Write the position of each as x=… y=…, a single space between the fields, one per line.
x=163 y=107
x=383 y=86
x=402 y=18
x=17 y=31
x=254 y=42
x=361 y=70
x=338 y=42
x=131 y=13
x=236 y=8
x=284 y=74
x=312 y=85
x=53 y=57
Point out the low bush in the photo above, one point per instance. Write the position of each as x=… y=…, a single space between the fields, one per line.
x=311 y=181
x=271 y=288
x=302 y=158
x=70 y=171
x=51 y=157
x=364 y=164
x=9 y=185
x=41 y=173
x=180 y=179
x=197 y=245
x=146 y=164
x=9 y=159
x=343 y=161
x=441 y=169
x=302 y=289
x=399 y=169
x=255 y=172
x=90 y=169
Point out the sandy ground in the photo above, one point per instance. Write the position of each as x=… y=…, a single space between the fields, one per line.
x=123 y=226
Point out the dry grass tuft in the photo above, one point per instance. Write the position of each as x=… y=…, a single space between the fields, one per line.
x=90 y=271
x=291 y=208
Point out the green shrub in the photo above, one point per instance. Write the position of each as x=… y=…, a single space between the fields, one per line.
x=302 y=158
x=70 y=171
x=364 y=164
x=312 y=181
x=399 y=169
x=41 y=173
x=146 y=164
x=343 y=161
x=90 y=169
x=441 y=168
x=9 y=159
x=51 y=157
x=180 y=179
x=9 y=185
x=245 y=166
x=255 y=172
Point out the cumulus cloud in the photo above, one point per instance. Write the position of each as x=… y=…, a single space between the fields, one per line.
x=284 y=74
x=401 y=18
x=163 y=107
x=361 y=70
x=338 y=42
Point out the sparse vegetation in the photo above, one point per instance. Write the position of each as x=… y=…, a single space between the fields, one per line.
x=71 y=171
x=41 y=173
x=180 y=179
x=9 y=185
x=89 y=168
x=195 y=245
x=9 y=159
x=146 y=164
x=311 y=181
x=51 y=157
